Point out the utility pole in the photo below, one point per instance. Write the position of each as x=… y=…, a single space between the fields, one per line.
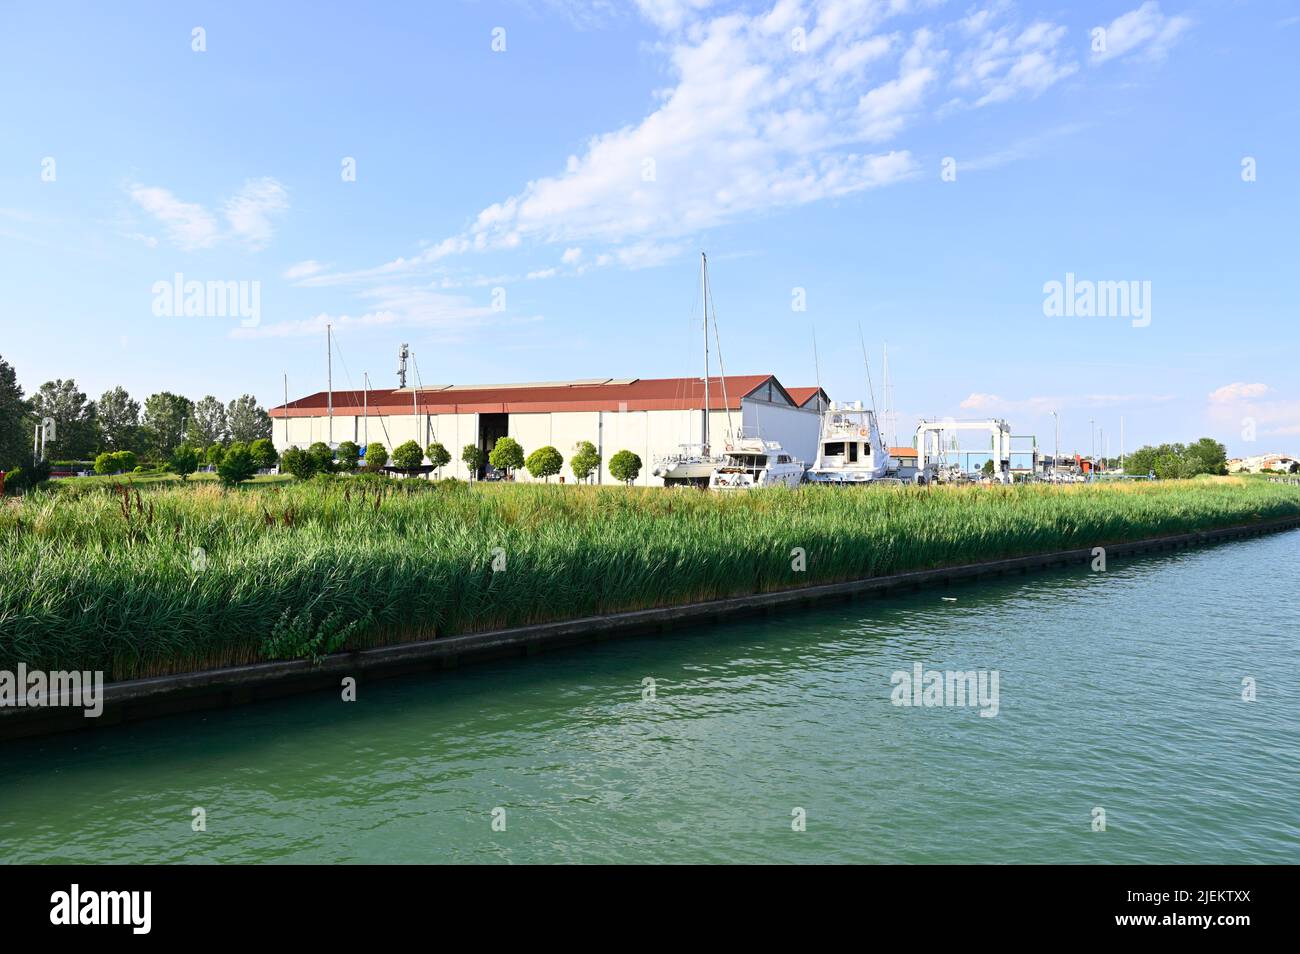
x=365 y=407
x=1121 y=442
x=1092 y=439
x=286 y=409
x=1056 y=451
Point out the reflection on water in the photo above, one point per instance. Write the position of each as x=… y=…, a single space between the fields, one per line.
x=1119 y=690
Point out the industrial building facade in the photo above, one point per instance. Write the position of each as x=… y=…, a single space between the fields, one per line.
x=652 y=418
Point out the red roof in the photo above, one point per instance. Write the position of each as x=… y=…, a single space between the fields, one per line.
x=902 y=452
x=640 y=394
x=802 y=396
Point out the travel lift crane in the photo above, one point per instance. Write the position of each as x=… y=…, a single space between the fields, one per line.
x=928 y=431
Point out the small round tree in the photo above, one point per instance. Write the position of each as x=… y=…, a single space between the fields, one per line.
x=376 y=456
x=408 y=456
x=625 y=466
x=438 y=456
x=545 y=462
x=263 y=453
x=298 y=462
x=321 y=451
x=106 y=463
x=507 y=455
x=585 y=461
x=126 y=460
x=349 y=454
x=237 y=466
x=214 y=454
x=184 y=461
x=473 y=458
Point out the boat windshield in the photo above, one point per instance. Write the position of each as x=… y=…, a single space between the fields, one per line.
x=747 y=462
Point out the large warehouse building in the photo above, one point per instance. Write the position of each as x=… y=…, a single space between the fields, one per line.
x=650 y=417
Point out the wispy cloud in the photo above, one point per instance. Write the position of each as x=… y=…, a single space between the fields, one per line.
x=1145 y=32
x=996 y=404
x=392 y=306
x=190 y=226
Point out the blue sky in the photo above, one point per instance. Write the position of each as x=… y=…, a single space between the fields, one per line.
x=537 y=212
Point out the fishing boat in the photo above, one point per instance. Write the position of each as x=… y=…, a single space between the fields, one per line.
x=750 y=462
x=850 y=449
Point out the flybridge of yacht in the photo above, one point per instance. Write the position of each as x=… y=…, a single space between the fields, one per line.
x=850 y=449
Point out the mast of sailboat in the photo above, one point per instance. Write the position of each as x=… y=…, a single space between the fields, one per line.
x=887 y=418
x=365 y=406
x=704 y=296
x=329 y=377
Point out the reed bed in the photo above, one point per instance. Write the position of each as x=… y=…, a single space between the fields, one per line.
x=175 y=578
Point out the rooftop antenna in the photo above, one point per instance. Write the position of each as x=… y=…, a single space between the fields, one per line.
x=403 y=353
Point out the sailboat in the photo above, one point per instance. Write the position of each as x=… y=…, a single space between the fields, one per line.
x=693 y=464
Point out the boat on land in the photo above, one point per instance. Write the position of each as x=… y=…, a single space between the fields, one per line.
x=751 y=462
x=693 y=464
x=850 y=449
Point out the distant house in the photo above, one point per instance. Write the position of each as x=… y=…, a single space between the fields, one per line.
x=1262 y=462
x=902 y=457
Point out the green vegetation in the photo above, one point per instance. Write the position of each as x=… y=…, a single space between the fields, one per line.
x=473 y=457
x=545 y=462
x=184 y=461
x=625 y=466
x=585 y=461
x=237 y=466
x=349 y=454
x=507 y=456
x=1174 y=461
x=408 y=456
x=103 y=579
x=264 y=453
x=376 y=455
x=438 y=456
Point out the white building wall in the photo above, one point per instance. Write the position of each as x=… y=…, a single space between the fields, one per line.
x=795 y=428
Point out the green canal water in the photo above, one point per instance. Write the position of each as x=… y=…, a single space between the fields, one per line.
x=1119 y=690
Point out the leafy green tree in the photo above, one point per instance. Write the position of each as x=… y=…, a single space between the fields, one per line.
x=125 y=460
x=472 y=456
x=408 y=456
x=119 y=420
x=184 y=461
x=438 y=456
x=376 y=456
x=237 y=466
x=507 y=455
x=263 y=453
x=324 y=457
x=349 y=454
x=545 y=462
x=207 y=423
x=585 y=461
x=76 y=427
x=987 y=469
x=1208 y=456
x=214 y=454
x=164 y=420
x=246 y=420
x=625 y=466
x=299 y=462
x=106 y=463
x=15 y=436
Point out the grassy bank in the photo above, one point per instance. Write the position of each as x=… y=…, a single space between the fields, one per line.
x=177 y=578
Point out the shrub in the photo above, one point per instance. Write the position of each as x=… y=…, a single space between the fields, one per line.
x=507 y=455
x=585 y=461
x=349 y=454
x=323 y=455
x=625 y=466
x=376 y=456
x=545 y=462
x=408 y=456
x=184 y=461
x=237 y=466
x=106 y=463
x=263 y=453
x=298 y=462
x=214 y=454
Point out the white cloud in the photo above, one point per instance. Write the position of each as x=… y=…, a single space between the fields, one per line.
x=1237 y=391
x=389 y=306
x=995 y=404
x=249 y=211
x=571 y=256
x=1144 y=30
x=301 y=270
x=1007 y=62
x=670 y=14
x=188 y=224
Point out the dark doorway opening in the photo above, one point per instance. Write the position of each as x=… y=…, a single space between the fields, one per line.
x=491 y=427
